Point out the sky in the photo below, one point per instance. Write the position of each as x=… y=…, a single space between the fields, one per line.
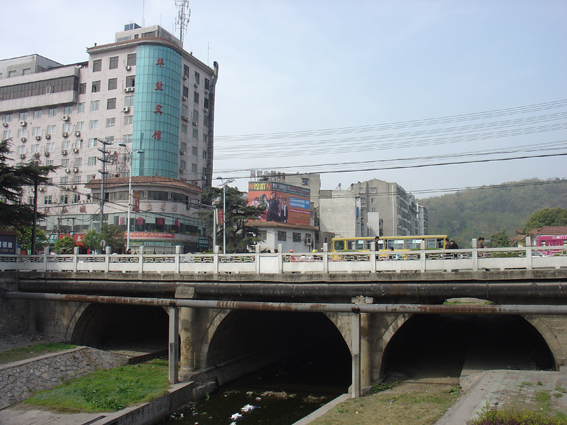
x=354 y=90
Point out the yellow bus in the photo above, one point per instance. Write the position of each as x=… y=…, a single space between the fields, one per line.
x=386 y=243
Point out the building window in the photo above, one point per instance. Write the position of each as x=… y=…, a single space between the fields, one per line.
x=195 y=97
x=206 y=103
x=204 y=154
x=206 y=121
x=68 y=110
x=47 y=199
x=91 y=160
x=195 y=133
x=184 y=110
x=94 y=105
x=130 y=81
x=206 y=84
x=20 y=149
x=95 y=86
x=194 y=150
x=112 y=83
x=129 y=101
x=113 y=62
x=205 y=138
x=92 y=142
x=77 y=162
x=183 y=128
x=110 y=122
x=65 y=145
x=97 y=64
x=37 y=114
x=67 y=127
x=197 y=78
x=78 y=143
x=185 y=91
x=35 y=148
x=296 y=237
x=128 y=120
x=50 y=147
x=82 y=88
x=131 y=60
x=36 y=131
x=80 y=126
x=182 y=164
x=51 y=129
x=93 y=124
x=8 y=118
x=111 y=103
x=185 y=71
x=194 y=168
x=196 y=116
x=127 y=138
x=65 y=163
x=22 y=132
x=282 y=235
x=81 y=107
x=52 y=112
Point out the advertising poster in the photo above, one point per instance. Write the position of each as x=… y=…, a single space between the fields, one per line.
x=283 y=203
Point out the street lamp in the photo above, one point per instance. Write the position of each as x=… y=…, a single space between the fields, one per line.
x=131 y=154
x=224 y=213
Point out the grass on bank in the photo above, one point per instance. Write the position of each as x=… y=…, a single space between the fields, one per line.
x=107 y=390
x=25 y=353
x=404 y=404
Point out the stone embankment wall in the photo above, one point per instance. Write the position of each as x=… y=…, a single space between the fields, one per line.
x=20 y=380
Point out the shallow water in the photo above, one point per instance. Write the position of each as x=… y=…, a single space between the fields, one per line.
x=278 y=395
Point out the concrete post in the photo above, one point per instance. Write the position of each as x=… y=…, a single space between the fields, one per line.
x=186 y=334
x=173 y=344
x=216 y=259
x=257 y=258
x=372 y=257
x=365 y=352
x=325 y=258
x=141 y=259
x=529 y=257
x=107 y=259
x=474 y=256
x=75 y=253
x=45 y=254
x=177 y=254
x=422 y=257
x=280 y=258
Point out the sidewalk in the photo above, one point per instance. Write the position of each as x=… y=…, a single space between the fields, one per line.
x=498 y=388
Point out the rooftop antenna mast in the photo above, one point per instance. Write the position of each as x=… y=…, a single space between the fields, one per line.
x=183 y=15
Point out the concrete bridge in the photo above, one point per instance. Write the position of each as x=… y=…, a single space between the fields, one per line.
x=224 y=316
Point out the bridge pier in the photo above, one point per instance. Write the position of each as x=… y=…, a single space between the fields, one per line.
x=186 y=334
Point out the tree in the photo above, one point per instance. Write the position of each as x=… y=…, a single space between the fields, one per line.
x=240 y=234
x=64 y=245
x=111 y=234
x=25 y=237
x=13 y=180
x=499 y=239
x=546 y=217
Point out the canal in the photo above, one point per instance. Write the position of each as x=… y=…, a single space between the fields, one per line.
x=280 y=394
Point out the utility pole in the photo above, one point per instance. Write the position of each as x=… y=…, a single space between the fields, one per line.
x=103 y=173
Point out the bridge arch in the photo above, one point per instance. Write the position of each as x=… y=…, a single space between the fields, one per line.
x=245 y=340
x=114 y=325
x=541 y=324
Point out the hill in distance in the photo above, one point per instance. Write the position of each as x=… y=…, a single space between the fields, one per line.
x=483 y=211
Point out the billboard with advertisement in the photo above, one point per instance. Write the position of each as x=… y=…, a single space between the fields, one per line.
x=282 y=203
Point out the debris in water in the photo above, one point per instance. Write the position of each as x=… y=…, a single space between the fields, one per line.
x=247 y=408
x=235 y=417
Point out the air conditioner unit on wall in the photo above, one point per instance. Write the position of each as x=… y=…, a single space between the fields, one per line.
x=75 y=150
x=67 y=170
x=23 y=123
x=22 y=155
x=63 y=152
x=23 y=139
x=77 y=134
x=75 y=170
x=65 y=117
x=184 y=98
x=37 y=154
x=182 y=170
x=37 y=137
x=65 y=134
x=126 y=109
x=128 y=67
x=184 y=118
x=195 y=123
x=5 y=124
x=181 y=152
x=308 y=241
x=41 y=189
x=48 y=136
x=46 y=153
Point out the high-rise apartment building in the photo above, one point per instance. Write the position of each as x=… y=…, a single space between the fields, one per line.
x=143 y=100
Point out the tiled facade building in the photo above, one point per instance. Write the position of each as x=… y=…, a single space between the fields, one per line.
x=143 y=94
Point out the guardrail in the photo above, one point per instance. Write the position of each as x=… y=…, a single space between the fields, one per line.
x=472 y=259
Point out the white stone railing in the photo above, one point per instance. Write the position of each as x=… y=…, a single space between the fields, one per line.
x=471 y=259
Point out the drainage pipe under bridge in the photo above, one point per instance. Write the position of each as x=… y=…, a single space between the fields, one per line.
x=360 y=310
